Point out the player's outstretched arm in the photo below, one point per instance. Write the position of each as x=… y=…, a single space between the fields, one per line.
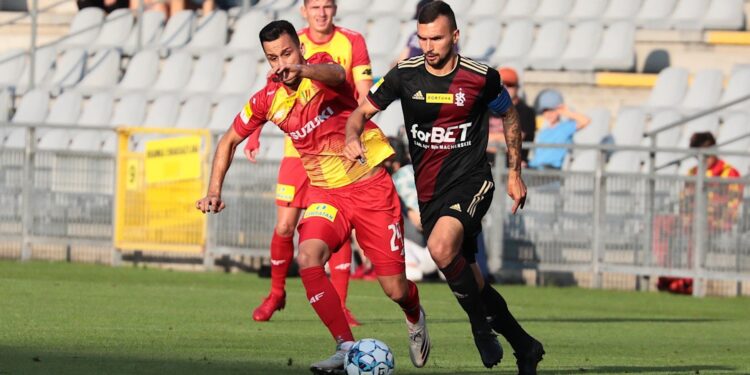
x=355 y=125
x=330 y=74
x=513 y=140
x=222 y=160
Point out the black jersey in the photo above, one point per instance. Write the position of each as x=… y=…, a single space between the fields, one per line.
x=445 y=118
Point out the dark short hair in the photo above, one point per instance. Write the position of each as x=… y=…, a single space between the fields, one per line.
x=420 y=4
x=307 y=1
x=431 y=11
x=275 y=29
x=702 y=139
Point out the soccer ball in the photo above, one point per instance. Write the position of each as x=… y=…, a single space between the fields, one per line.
x=369 y=357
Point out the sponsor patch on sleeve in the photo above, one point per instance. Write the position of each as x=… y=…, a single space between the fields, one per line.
x=246 y=113
x=323 y=210
x=285 y=193
x=377 y=84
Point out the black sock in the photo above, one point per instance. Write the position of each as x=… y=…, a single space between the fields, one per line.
x=503 y=322
x=461 y=280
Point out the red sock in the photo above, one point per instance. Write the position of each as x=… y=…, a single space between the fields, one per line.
x=340 y=266
x=410 y=305
x=282 y=252
x=325 y=302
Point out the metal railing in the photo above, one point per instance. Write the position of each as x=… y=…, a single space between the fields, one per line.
x=601 y=221
x=592 y=222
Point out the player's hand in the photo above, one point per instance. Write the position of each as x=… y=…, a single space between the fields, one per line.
x=516 y=190
x=210 y=203
x=251 y=154
x=354 y=150
x=285 y=72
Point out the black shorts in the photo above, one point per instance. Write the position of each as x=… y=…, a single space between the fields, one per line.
x=468 y=202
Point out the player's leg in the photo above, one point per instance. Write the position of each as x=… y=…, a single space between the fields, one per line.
x=291 y=190
x=324 y=227
x=340 y=267
x=527 y=350
x=376 y=217
x=473 y=207
x=282 y=253
x=444 y=242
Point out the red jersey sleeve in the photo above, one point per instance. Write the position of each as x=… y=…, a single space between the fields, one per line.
x=320 y=58
x=359 y=51
x=252 y=117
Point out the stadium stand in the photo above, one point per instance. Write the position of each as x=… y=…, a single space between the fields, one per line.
x=115 y=30
x=150 y=28
x=84 y=29
x=178 y=31
x=206 y=75
x=587 y=10
x=552 y=10
x=102 y=72
x=194 y=114
x=141 y=72
x=188 y=72
x=210 y=33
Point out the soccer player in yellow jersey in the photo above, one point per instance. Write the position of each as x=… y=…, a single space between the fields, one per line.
x=310 y=101
x=347 y=48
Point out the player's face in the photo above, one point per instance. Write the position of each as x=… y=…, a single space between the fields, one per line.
x=437 y=41
x=283 y=51
x=319 y=15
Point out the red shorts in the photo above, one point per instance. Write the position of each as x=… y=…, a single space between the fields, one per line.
x=370 y=207
x=292 y=184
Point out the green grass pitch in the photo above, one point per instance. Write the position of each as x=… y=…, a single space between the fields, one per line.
x=58 y=318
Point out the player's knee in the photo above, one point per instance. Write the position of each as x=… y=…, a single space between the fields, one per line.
x=396 y=294
x=441 y=252
x=311 y=254
x=285 y=229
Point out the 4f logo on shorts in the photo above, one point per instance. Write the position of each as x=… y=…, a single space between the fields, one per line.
x=323 y=210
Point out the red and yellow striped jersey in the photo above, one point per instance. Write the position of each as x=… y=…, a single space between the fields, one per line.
x=314 y=117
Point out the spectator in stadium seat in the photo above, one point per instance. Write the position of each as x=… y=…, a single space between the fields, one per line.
x=525 y=113
x=560 y=124
x=723 y=209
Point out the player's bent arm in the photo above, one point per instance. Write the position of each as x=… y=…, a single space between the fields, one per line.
x=225 y=150
x=363 y=87
x=355 y=125
x=328 y=73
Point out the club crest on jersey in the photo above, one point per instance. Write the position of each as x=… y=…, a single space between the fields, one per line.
x=312 y=124
x=460 y=98
x=323 y=210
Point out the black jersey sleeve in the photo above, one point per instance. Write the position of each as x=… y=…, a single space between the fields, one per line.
x=496 y=96
x=386 y=90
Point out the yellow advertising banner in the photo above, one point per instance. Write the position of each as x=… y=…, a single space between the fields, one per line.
x=157 y=189
x=173 y=159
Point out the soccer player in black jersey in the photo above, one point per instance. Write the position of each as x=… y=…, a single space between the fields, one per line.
x=445 y=98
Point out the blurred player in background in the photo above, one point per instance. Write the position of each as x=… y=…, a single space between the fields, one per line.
x=310 y=100
x=348 y=49
x=445 y=98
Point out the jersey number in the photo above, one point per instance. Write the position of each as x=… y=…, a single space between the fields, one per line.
x=397 y=240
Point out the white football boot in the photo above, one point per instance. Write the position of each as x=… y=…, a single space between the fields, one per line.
x=419 y=340
x=335 y=363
